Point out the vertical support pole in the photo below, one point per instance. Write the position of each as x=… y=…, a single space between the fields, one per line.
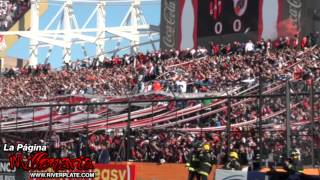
x=134 y=22
x=33 y=119
x=1 y=121
x=128 y=130
x=228 y=124
x=107 y=116
x=198 y=113
x=17 y=115
x=312 y=122
x=260 y=118
x=176 y=109
x=50 y=132
x=101 y=24
x=201 y=120
x=88 y=116
x=33 y=61
x=152 y=115
x=1 y=115
x=50 y=121
x=86 y=129
x=288 y=132
x=69 y=118
x=152 y=43
x=1 y=64
x=67 y=27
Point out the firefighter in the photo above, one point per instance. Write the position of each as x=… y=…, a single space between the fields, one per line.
x=193 y=163
x=293 y=165
x=206 y=162
x=233 y=162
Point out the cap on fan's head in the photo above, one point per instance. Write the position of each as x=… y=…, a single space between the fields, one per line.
x=295 y=154
x=206 y=147
x=234 y=155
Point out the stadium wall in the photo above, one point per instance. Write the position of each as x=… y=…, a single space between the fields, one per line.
x=150 y=171
x=11 y=62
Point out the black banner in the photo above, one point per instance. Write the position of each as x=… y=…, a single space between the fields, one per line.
x=224 y=21
x=169 y=24
x=222 y=17
x=300 y=13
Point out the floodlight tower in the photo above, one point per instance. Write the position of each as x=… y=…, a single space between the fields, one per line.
x=135 y=17
x=33 y=59
x=101 y=24
x=67 y=15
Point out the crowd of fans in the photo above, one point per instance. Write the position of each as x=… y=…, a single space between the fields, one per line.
x=183 y=71
x=188 y=71
x=166 y=146
x=11 y=11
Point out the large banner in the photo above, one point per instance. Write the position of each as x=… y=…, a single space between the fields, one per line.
x=241 y=20
x=220 y=17
x=169 y=24
x=189 y=23
x=297 y=17
x=179 y=24
x=188 y=27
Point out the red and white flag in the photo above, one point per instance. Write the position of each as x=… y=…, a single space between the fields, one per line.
x=188 y=24
x=3 y=44
x=215 y=8
x=269 y=19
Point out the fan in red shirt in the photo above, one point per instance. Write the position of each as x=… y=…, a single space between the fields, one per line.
x=295 y=42
x=304 y=42
x=116 y=60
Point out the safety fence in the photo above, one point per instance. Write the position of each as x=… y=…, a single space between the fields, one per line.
x=267 y=119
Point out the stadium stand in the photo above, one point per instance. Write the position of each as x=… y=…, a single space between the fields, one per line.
x=168 y=132
x=11 y=11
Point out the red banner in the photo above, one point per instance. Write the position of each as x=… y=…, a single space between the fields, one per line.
x=115 y=171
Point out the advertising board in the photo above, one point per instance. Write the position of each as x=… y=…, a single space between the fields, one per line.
x=193 y=23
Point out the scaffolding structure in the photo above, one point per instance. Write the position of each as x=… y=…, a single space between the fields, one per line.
x=68 y=32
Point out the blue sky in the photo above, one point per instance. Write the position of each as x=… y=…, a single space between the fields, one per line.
x=115 y=14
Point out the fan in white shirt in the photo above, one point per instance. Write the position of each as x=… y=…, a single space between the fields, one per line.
x=249 y=46
x=182 y=84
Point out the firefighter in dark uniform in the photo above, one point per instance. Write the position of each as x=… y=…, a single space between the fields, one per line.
x=293 y=165
x=233 y=162
x=193 y=163
x=206 y=162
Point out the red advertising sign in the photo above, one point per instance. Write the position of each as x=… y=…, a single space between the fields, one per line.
x=115 y=172
x=100 y=172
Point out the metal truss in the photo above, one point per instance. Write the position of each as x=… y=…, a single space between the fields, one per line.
x=133 y=28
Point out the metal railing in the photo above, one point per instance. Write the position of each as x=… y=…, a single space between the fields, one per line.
x=271 y=121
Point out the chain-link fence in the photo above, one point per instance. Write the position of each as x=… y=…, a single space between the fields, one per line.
x=263 y=124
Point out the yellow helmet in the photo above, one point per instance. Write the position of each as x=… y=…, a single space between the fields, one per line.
x=206 y=147
x=234 y=155
x=295 y=154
